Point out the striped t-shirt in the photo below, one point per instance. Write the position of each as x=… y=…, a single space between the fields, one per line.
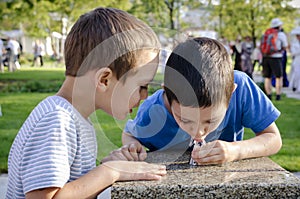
x=54 y=146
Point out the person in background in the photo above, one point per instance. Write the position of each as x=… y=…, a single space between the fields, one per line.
x=1 y=56
x=236 y=53
x=226 y=44
x=272 y=63
x=257 y=57
x=39 y=52
x=247 y=49
x=14 y=48
x=295 y=53
x=285 y=81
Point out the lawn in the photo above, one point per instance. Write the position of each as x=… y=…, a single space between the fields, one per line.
x=17 y=105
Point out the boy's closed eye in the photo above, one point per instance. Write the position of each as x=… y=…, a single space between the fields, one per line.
x=185 y=121
x=210 y=121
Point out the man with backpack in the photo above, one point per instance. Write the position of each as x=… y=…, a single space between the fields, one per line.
x=273 y=42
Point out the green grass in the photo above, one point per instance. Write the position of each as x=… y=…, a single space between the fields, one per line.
x=15 y=109
x=17 y=106
x=289 y=155
x=32 y=73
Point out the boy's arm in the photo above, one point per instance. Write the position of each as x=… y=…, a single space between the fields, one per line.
x=92 y=183
x=265 y=143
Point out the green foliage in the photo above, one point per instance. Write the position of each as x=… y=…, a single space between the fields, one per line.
x=40 y=18
x=253 y=17
x=32 y=80
x=232 y=17
x=31 y=86
x=34 y=74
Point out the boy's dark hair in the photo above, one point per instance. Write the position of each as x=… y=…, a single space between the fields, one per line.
x=199 y=73
x=107 y=37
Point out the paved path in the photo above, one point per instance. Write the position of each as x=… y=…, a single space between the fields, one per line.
x=290 y=94
x=3 y=185
x=288 y=91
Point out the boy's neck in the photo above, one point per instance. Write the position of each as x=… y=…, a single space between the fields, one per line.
x=77 y=97
x=166 y=103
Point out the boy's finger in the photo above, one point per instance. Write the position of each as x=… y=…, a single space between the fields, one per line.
x=130 y=156
x=133 y=149
x=142 y=155
x=209 y=152
x=215 y=159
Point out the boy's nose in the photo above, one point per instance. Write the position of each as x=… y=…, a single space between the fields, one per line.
x=143 y=94
x=200 y=134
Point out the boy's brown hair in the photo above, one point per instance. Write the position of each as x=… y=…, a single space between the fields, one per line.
x=199 y=73
x=107 y=37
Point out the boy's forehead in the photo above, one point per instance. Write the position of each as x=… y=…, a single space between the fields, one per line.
x=147 y=57
x=148 y=61
x=145 y=66
x=188 y=111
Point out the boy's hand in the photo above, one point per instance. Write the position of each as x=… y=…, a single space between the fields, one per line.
x=131 y=152
x=134 y=151
x=216 y=152
x=125 y=170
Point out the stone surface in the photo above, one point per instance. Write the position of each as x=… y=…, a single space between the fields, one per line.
x=3 y=185
x=252 y=178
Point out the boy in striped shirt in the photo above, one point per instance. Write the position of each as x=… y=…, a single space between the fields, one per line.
x=110 y=58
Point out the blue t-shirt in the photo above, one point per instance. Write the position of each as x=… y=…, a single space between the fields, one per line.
x=155 y=127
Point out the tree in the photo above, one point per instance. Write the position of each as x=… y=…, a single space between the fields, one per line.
x=40 y=18
x=251 y=17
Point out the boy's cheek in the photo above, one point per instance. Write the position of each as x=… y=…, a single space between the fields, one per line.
x=188 y=130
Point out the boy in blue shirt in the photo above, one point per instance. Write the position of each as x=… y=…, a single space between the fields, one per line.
x=206 y=100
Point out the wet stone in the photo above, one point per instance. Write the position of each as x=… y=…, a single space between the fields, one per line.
x=251 y=178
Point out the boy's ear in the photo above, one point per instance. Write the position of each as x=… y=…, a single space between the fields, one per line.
x=234 y=87
x=102 y=78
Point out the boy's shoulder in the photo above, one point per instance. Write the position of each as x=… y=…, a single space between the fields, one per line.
x=53 y=105
x=240 y=77
x=244 y=84
x=56 y=102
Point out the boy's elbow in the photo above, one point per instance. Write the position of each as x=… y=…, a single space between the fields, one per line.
x=276 y=139
x=277 y=142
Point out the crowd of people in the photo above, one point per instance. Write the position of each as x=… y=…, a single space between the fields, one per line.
x=269 y=55
x=11 y=50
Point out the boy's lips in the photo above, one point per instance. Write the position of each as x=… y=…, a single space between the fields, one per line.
x=199 y=139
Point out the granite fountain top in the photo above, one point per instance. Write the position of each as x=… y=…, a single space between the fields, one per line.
x=251 y=178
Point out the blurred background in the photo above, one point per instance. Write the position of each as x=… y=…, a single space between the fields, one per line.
x=50 y=20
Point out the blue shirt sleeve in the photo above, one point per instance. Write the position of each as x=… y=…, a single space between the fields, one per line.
x=256 y=110
x=249 y=107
